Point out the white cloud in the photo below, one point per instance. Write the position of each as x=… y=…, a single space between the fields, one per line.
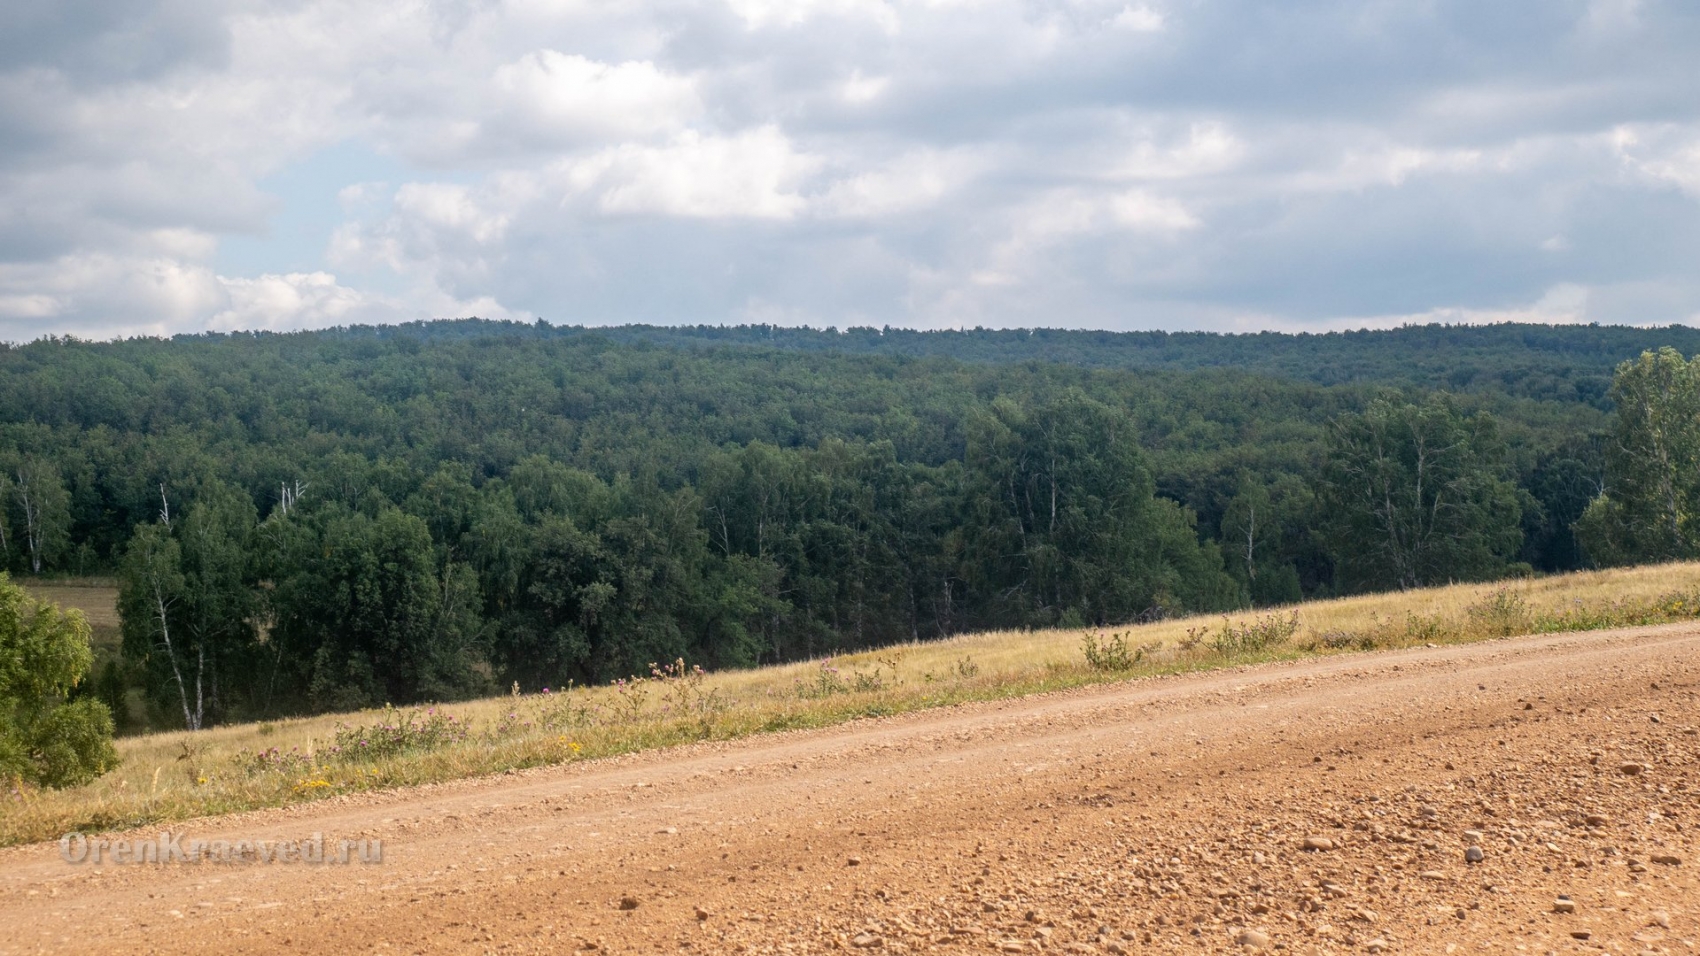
x=574 y=99
x=864 y=89
x=1563 y=304
x=1138 y=19
x=1208 y=148
x=755 y=174
x=1665 y=153
x=87 y=294
x=293 y=301
x=914 y=181
x=760 y=14
x=1137 y=209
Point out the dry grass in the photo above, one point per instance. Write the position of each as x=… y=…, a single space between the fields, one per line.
x=174 y=776
x=95 y=597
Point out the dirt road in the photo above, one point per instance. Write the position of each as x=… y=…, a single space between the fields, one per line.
x=1167 y=815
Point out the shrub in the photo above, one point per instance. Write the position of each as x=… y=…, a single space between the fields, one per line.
x=1113 y=654
x=1503 y=613
x=45 y=738
x=1255 y=636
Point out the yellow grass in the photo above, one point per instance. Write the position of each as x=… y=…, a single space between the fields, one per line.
x=174 y=776
x=98 y=601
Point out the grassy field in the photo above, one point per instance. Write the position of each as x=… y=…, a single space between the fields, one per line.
x=175 y=776
x=97 y=598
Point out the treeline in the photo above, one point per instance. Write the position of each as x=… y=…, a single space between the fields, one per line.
x=326 y=520
x=1567 y=363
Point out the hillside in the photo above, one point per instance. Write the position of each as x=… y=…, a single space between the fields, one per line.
x=1543 y=362
x=436 y=511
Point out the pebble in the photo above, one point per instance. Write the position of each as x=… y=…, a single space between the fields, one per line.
x=1665 y=859
x=1631 y=769
x=1318 y=843
x=1433 y=875
x=702 y=914
x=867 y=941
x=1376 y=945
x=1473 y=854
x=1596 y=819
x=1252 y=939
x=854 y=861
x=1472 y=836
x=1581 y=934
x=628 y=902
x=1661 y=918
x=1564 y=904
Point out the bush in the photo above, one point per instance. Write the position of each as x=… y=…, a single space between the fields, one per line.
x=45 y=738
x=1503 y=613
x=1255 y=636
x=1114 y=654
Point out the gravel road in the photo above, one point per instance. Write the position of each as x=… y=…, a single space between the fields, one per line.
x=1325 y=806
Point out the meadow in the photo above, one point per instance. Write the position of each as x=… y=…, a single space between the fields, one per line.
x=174 y=776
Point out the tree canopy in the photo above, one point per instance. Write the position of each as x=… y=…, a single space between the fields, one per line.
x=367 y=515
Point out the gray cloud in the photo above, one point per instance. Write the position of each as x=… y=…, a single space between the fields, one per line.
x=1115 y=163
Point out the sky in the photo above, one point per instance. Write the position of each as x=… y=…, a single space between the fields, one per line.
x=177 y=166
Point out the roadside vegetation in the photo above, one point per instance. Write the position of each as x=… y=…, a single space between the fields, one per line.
x=165 y=777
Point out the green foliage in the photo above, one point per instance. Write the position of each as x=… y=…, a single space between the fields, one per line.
x=1112 y=653
x=360 y=515
x=189 y=604
x=1066 y=523
x=1651 y=509
x=1265 y=535
x=364 y=612
x=45 y=738
x=1417 y=495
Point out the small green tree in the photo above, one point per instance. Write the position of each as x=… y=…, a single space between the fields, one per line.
x=45 y=738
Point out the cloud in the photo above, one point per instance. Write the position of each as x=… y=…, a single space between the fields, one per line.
x=1107 y=163
x=566 y=99
x=755 y=173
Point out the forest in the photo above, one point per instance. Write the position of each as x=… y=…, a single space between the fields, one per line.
x=329 y=520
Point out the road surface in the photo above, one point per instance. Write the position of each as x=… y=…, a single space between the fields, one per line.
x=1159 y=815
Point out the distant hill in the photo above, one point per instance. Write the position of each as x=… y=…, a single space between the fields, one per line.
x=1543 y=362
x=1563 y=363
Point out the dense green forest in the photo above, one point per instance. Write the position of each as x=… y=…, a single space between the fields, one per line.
x=340 y=518
x=1554 y=363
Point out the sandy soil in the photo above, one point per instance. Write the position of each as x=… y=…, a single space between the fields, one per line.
x=1166 y=815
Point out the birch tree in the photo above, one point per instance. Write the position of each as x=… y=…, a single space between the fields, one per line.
x=45 y=507
x=1418 y=495
x=1650 y=510
x=151 y=589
